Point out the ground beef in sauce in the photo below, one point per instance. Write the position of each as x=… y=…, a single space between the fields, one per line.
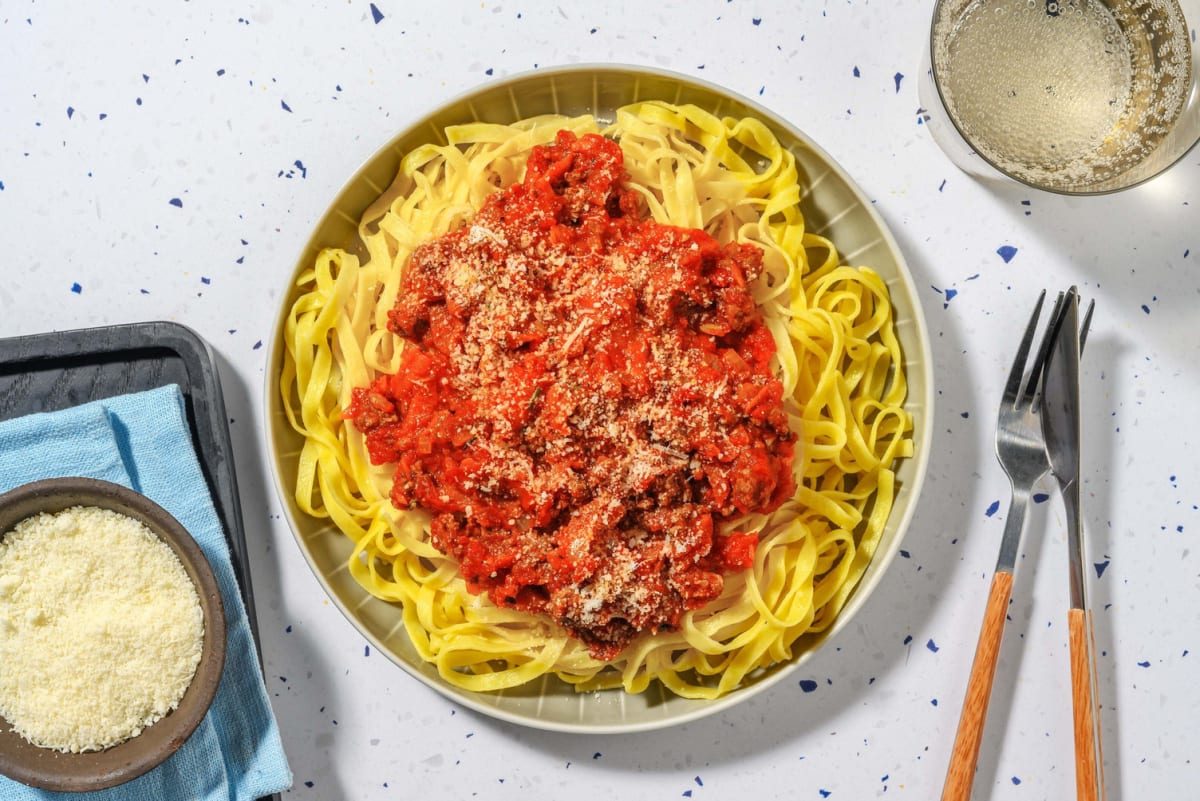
x=583 y=401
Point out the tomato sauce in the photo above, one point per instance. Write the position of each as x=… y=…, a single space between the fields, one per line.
x=583 y=401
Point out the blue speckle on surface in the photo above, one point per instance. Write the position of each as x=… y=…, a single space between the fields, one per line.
x=904 y=553
x=898 y=77
x=285 y=106
x=488 y=71
x=991 y=510
x=1144 y=664
x=205 y=279
x=908 y=639
x=257 y=345
x=303 y=170
x=933 y=702
x=220 y=73
x=376 y=14
x=70 y=112
x=145 y=78
x=857 y=73
x=1 y=186
x=825 y=793
x=1016 y=780
x=1040 y=497
x=699 y=781
x=947 y=294
x=687 y=793
x=808 y=685
x=76 y=288
x=1145 y=308
x=932 y=646
x=176 y=202
x=596 y=755
x=756 y=20
x=1100 y=568
x=1006 y=252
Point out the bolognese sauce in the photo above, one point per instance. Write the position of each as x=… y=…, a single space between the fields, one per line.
x=584 y=402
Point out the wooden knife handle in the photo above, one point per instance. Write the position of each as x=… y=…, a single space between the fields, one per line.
x=961 y=773
x=1089 y=756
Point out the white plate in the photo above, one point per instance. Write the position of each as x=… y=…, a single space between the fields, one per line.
x=834 y=207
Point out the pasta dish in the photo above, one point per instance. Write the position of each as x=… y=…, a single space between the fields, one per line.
x=595 y=404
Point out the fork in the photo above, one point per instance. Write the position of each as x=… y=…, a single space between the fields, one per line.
x=1021 y=450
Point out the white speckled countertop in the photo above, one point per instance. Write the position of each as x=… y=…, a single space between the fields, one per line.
x=168 y=161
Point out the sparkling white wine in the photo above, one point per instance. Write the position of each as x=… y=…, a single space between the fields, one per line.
x=1064 y=95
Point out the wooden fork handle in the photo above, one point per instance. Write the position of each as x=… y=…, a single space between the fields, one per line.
x=1089 y=757
x=963 y=758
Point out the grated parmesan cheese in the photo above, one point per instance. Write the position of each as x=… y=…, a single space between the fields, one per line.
x=100 y=629
x=589 y=397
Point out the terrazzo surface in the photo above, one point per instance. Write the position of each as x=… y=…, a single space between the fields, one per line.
x=167 y=161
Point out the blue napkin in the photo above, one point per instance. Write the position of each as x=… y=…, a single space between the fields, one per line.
x=142 y=441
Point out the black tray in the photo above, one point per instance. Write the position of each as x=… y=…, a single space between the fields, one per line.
x=48 y=372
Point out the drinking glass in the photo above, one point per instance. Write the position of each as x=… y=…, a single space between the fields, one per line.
x=1077 y=97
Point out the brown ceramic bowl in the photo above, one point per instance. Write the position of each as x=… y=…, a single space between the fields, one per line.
x=95 y=770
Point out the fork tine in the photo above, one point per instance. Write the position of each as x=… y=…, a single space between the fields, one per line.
x=1086 y=324
x=1013 y=388
x=1035 y=373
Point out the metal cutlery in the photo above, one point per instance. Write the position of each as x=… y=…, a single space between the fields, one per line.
x=1021 y=447
x=1060 y=425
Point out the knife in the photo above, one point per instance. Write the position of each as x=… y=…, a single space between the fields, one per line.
x=1060 y=427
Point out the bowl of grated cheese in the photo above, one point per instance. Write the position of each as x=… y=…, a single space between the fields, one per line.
x=112 y=634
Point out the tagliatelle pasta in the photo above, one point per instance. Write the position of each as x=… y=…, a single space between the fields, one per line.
x=837 y=357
